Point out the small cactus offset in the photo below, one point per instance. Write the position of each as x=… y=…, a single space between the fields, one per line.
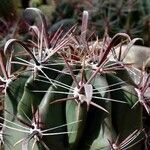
x=70 y=93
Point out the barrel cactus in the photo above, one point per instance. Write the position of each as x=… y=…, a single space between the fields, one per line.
x=67 y=92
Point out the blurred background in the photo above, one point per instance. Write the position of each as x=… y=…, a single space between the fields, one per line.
x=113 y=16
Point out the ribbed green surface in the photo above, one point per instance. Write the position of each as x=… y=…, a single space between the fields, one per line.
x=67 y=103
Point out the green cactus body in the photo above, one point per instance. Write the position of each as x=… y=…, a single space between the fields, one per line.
x=54 y=115
x=30 y=98
x=33 y=94
x=76 y=111
x=98 y=127
x=14 y=92
x=72 y=98
x=123 y=114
